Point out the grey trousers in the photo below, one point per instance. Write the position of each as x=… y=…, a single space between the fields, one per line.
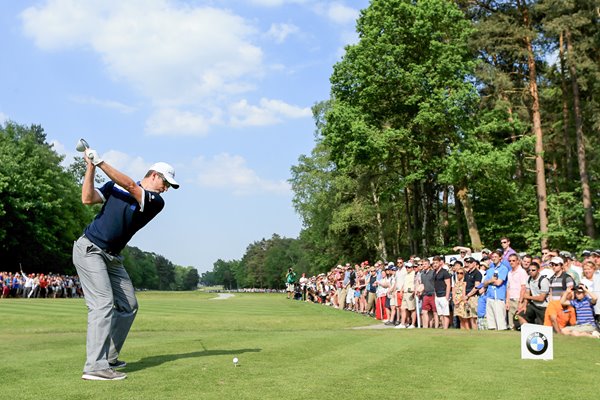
x=110 y=299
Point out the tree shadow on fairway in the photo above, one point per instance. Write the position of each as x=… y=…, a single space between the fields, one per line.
x=154 y=361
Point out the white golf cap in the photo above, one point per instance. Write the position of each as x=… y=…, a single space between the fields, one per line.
x=167 y=171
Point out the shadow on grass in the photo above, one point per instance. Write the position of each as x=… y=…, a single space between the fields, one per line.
x=154 y=361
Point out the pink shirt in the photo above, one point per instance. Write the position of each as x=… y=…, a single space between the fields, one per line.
x=515 y=280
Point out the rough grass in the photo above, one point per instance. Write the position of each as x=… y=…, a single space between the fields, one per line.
x=182 y=345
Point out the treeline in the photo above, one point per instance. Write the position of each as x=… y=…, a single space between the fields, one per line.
x=264 y=265
x=41 y=214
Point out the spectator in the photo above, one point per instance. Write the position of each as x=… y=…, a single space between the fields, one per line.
x=382 y=285
x=583 y=303
x=515 y=287
x=290 y=281
x=535 y=299
x=559 y=316
x=303 y=285
x=408 y=305
x=507 y=251
x=442 y=288
x=459 y=298
x=429 y=311
x=371 y=291
x=560 y=281
x=473 y=278
x=495 y=284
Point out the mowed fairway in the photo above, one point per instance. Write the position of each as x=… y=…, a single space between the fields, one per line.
x=182 y=345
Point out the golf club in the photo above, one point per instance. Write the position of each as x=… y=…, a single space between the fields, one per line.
x=82 y=145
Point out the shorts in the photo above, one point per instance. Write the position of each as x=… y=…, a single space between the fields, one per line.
x=471 y=306
x=290 y=287
x=534 y=314
x=429 y=303
x=442 y=305
x=409 y=302
x=399 y=299
x=581 y=328
x=393 y=300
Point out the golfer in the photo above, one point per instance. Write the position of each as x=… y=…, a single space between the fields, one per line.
x=109 y=295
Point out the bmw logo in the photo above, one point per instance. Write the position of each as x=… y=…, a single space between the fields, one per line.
x=537 y=343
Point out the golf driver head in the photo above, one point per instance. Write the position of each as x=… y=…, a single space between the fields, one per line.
x=82 y=145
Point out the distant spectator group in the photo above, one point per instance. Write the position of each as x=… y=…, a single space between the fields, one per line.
x=21 y=285
x=490 y=290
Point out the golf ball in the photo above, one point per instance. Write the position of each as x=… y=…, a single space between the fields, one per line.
x=235 y=360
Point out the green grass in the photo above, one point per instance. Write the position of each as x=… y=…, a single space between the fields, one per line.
x=182 y=345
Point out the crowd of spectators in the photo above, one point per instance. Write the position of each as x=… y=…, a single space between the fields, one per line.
x=21 y=285
x=490 y=290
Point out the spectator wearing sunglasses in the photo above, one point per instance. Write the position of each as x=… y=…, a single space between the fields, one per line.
x=532 y=308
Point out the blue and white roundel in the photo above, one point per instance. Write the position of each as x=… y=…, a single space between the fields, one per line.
x=537 y=343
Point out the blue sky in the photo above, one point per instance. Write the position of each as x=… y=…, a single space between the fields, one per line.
x=222 y=90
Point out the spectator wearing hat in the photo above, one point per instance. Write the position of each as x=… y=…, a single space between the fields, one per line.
x=515 y=287
x=473 y=278
x=560 y=281
x=409 y=305
x=401 y=272
x=463 y=252
x=571 y=267
x=382 y=285
x=534 y=302
x=391 y=302
x=583 y=302
x=495 y=285
x=371 y=289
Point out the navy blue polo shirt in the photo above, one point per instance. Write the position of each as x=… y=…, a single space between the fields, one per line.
x=121 y=217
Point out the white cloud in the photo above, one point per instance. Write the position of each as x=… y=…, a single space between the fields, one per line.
x=174 y=54
x=3 y=118
x=268 y=112
x=276 y=3
x=170 y=121
x=230 y=172
x=341 y=13
x=280 y=32
x=110 y=104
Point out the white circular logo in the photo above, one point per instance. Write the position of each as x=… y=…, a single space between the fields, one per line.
x=537 y=343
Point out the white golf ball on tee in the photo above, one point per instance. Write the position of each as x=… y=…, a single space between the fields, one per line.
x=235 y=360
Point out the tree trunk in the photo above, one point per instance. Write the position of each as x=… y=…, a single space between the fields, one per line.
x=409 y=226
x=583 y=175
x=458 y=211
x=381 y=246
x=540 y=173
x=463 y=195
x=425 y=219
x=415 y=208
x=565 y=112
x=445 y=220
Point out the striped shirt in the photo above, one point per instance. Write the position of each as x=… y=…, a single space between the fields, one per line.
x=584 y=311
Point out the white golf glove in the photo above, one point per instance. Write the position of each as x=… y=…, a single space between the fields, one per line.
x=93 y=156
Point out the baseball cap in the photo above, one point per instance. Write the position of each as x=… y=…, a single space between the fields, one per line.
x=486 y=251
x=556 y=260
x=167 y=171
x=565 y=254
x=469 y=259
